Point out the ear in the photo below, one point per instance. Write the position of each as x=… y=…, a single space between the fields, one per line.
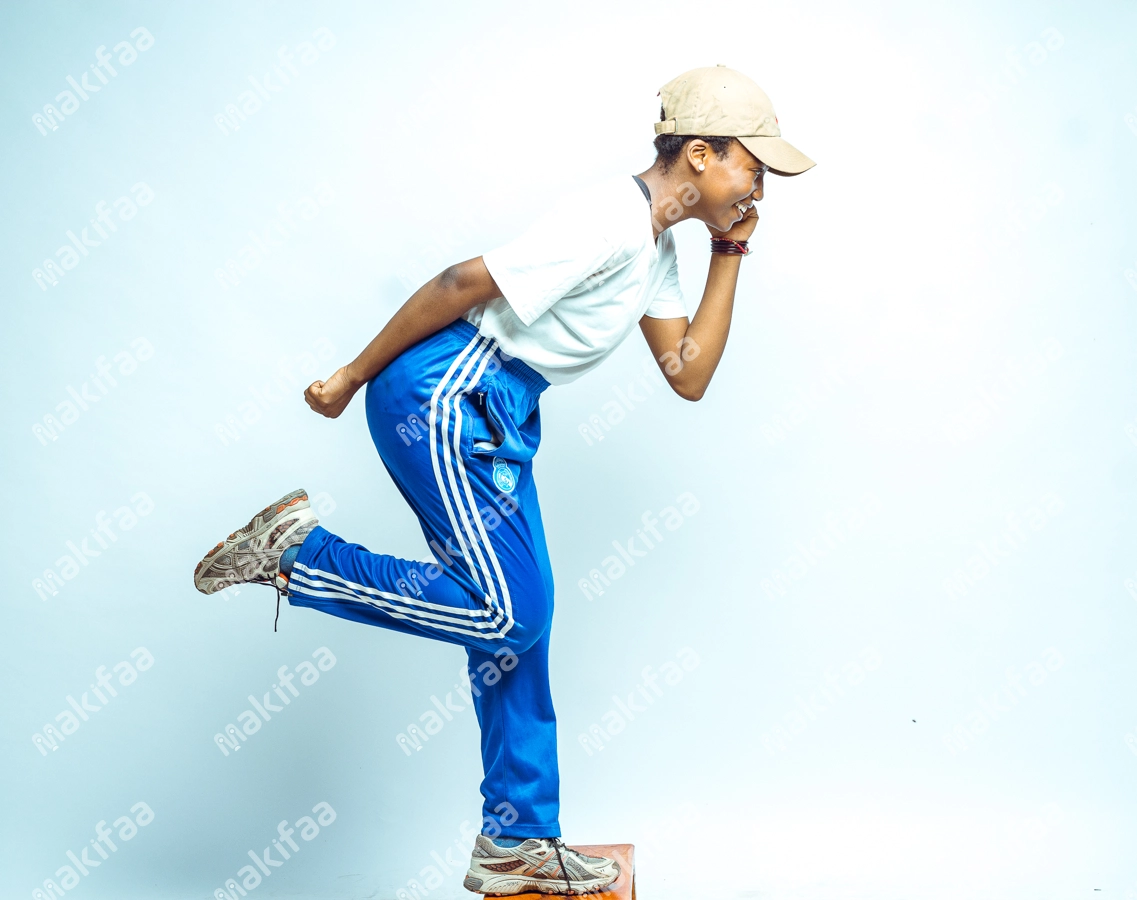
x=697 y=152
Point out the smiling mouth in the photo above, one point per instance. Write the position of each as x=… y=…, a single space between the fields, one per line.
x=742 y=208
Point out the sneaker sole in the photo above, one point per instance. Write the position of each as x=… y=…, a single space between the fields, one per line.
x=493 y=885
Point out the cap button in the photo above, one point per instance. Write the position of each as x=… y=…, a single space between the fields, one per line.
x=719 y=66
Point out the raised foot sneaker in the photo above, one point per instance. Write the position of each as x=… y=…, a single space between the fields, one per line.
x=251 y=555
x=541 y=865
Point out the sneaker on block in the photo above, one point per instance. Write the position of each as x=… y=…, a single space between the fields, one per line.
x=252 y=554
x=540 y=865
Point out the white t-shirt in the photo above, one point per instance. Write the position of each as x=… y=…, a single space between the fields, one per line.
x=579 y=280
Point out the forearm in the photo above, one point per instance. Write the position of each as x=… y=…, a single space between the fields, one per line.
x=703 y=344
x=431 y=308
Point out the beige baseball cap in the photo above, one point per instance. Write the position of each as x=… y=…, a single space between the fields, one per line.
x=717 y=101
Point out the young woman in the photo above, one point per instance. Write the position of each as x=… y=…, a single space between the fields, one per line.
x=453 y=382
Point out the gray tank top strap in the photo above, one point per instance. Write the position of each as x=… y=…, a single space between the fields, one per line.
x=643 y=187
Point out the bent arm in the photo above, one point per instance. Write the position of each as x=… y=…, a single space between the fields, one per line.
x=431 y=308
x=688 y=351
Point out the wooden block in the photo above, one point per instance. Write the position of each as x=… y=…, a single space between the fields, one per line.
x=624 y=887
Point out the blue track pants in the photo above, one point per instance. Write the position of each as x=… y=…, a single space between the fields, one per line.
x=456 y=425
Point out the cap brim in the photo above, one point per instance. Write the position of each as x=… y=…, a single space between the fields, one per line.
x=781 y=156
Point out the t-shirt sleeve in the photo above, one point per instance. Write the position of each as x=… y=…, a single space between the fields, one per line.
x=668 y=301
x=540 y=266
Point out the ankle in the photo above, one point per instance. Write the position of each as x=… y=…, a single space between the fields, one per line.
x=506 y=842
x=288 y=559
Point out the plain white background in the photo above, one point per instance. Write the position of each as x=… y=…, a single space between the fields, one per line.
x=971 y=211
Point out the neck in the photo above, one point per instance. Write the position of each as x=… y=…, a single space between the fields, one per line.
x=667 y=192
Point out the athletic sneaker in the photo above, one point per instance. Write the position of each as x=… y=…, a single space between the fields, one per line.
x=251 y=555
x=541 y=865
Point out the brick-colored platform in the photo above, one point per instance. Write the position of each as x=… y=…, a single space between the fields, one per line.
x=624 y=887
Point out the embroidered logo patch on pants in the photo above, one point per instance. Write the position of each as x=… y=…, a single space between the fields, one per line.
x=503 y=476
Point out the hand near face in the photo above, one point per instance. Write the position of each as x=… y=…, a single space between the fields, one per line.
x=740 y=230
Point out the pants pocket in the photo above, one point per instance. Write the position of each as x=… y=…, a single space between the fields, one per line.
x=484 y=436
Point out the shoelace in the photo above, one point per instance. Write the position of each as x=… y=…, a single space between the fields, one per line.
x=279 y=593
x=557 y=845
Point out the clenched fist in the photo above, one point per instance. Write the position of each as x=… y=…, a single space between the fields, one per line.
x=330 y=398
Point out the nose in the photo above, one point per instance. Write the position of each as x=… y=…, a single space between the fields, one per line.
x=758 y=192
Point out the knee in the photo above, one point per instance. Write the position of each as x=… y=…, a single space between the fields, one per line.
x=519 y=639
x=529 y=625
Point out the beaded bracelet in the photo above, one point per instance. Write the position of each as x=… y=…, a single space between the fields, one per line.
x=729 y=247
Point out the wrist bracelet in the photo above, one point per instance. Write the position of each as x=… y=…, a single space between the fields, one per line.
x=729 y=247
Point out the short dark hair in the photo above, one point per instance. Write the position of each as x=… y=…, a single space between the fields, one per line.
x=669 y=147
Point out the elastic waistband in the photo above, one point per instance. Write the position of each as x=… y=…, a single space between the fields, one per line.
x=530 y=379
